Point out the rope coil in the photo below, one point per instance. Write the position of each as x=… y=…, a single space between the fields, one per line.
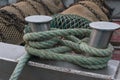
x=64 y=44
x=38 y=46
x=55 y=45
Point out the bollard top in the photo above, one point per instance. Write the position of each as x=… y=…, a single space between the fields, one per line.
x=107 y=26
x=38 y=19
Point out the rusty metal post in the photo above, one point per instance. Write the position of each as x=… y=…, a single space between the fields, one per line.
x=101 y=34
x=39 y=22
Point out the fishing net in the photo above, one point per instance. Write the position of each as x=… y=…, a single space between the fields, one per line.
x=88 y=10
x=12 y=17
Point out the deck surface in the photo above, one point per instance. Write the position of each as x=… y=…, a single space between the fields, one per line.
x=61 y=70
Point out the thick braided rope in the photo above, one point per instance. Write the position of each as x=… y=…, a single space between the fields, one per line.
x=86 y=56
x=18 y=70
x=45 y=45
x=96 y=58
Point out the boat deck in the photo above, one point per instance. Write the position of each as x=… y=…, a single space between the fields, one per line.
x=51 y=70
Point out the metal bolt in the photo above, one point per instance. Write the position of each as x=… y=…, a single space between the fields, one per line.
x=39 y=22
x=101 y=34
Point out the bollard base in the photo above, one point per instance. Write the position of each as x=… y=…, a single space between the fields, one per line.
x=50 y=70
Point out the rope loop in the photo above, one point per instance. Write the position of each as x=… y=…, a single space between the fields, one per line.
x=67 y=45
x=64 y=44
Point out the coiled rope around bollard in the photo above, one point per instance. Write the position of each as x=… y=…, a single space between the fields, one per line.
x=63 y=45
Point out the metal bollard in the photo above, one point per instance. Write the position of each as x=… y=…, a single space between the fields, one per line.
x=101 y=34
x=39 y=22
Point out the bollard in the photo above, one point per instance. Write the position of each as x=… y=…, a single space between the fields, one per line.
x=102 y=33
x=39 y=22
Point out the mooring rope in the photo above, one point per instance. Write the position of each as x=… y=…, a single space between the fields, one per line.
x=68 y=45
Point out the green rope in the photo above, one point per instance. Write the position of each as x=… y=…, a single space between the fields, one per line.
x=63 y=45
x=97 y=57
x=19 y=67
